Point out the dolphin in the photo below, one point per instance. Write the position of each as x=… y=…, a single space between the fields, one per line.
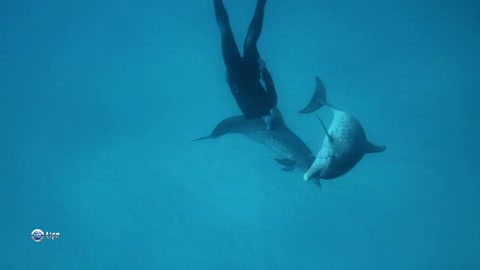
x=345 y=142
x=290 y=150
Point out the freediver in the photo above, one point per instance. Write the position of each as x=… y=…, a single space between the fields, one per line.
x=244 y=72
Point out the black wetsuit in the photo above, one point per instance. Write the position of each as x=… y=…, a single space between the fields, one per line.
x=244 y=73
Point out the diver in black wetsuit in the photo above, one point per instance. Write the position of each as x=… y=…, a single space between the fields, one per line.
x=244 y=73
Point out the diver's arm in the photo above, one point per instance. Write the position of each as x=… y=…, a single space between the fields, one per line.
x=270 y=87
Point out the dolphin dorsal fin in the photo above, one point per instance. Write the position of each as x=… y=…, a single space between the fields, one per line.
x=330 y=138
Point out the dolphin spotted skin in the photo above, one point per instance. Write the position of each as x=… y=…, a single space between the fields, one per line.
x=344 y=145
x=291 y=151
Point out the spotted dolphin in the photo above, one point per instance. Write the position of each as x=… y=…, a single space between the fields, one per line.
x=345 y=142
x=290 y=150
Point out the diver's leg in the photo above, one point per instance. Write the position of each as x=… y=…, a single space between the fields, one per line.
x=250 y=46
x=231 y=55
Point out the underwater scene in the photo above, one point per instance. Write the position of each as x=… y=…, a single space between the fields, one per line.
x=240 y=134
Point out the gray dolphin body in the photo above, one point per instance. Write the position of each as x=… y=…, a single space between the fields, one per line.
x=344 y=145
x=292 y=152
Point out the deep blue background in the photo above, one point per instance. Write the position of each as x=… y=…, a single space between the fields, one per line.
x=99 y=101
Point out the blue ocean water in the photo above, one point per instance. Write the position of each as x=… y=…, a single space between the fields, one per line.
x=99 y=101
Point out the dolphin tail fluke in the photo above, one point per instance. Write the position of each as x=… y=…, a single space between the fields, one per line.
x=372 y=148
x=319 y=98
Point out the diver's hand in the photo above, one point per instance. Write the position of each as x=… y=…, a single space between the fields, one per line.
x=261 y=65
x=267 y=119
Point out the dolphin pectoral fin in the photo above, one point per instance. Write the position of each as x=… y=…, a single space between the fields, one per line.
x=330 y=138
x=286 y=162
x=372 y=148
x=288 y=169
x=289 y=165
x=316 y=181
x=319 y=98
x=234 y=124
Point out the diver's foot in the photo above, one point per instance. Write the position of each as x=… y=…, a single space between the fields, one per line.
x=221 y=16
